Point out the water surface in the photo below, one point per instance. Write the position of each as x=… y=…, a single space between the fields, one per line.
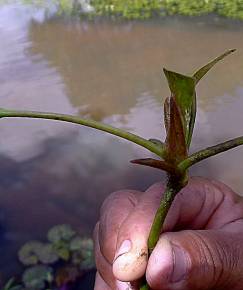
x=55 y=173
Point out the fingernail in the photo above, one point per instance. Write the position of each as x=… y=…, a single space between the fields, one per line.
x=181 y=262
x=124 y=248
x=122 y=285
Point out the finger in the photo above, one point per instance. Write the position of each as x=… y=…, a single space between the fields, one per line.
x=202 y=204
x=114 y=211
x=232 y=205
x=193 y=260
x=100 y=283
x=131 y=253
x=102 y=265
x=105 y=277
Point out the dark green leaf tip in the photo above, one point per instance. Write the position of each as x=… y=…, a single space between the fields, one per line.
x=199 y=74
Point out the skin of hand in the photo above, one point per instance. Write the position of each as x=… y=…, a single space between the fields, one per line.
x=201 y=246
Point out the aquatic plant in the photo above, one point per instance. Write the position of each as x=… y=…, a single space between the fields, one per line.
x=173 y=154
x=188 y=7
x=35 y=252
x=141 y=9
x=37 y=277
x=60 y=233
x=54 y=264
x=231 y=9
x=131 y=9
x=10 y=285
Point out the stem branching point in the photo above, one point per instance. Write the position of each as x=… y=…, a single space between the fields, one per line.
x=180 y=114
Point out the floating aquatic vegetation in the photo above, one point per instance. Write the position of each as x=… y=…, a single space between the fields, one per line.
x=132 y=9
x=28 y=254
x=34 y=252
x=47 y=254
x=140 y=9
x=60 y=233
x=37 y=277
x=82 y=252
x=231 y=9
x=62 y=260
x=10 y=285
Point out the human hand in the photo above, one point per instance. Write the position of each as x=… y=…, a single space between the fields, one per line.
x=201 y=246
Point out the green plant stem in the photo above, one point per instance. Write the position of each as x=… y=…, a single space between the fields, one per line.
x=174 y=185
x=158 y=150
x=208 y=152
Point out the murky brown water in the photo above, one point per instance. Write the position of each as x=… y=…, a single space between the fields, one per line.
x=59 y=173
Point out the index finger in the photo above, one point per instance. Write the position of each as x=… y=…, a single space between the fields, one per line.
x=113 y=213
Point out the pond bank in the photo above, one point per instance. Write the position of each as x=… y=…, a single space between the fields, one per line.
x=144 y=9
x=130 y=9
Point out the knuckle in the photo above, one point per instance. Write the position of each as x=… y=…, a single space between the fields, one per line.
x=109 y=200
x=115 y=198
x=218 y=258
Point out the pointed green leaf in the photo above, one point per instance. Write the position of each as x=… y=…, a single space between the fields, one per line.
x=183 y=91
x=202 y=71
x=175 y=140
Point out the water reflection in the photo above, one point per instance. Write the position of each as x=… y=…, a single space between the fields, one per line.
x=54 y=172
x=26 y=83
x=103 y=63
x=61 y=185
x=113 y=72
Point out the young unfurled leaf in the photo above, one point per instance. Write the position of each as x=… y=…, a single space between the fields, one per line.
x=202 y=71
x=183 y=91
x=175 y=141
x=155 y=164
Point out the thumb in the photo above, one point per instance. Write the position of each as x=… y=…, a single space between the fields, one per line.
x=193 y=260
